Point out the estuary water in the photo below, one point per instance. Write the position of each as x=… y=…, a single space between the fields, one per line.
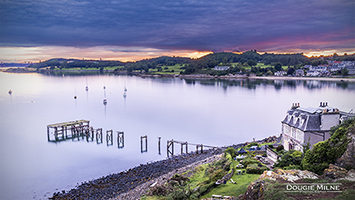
x=210 y=112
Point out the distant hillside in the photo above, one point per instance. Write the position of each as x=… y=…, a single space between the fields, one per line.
x=75 y=63
x=238 y=62
x=14 y=64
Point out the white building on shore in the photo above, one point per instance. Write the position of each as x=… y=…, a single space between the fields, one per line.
x=303 y=125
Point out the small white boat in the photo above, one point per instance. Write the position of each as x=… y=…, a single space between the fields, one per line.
x=10 y=91
x=105 y=101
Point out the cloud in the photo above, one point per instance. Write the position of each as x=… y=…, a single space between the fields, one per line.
x=199 y=25
x=34 y=54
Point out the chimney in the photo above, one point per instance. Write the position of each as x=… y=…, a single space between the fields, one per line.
x=295 y=105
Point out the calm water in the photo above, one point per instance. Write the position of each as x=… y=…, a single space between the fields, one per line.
x=198 y=111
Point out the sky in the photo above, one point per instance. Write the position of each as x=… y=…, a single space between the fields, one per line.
x=129 y=30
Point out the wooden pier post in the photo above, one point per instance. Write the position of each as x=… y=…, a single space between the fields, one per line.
x=170 y=144
x=182 y=145
x=99 y=135
x=199 y=146
x=109 y=137
x=92 y=133
x=146 y=144
x=49 y=139
x=120 y=139
x=159 y=145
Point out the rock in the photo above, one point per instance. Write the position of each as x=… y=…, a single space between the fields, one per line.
x=254 y=191
x=347 y=160
x=288 y=175
x=351 y=175
x=334 y=173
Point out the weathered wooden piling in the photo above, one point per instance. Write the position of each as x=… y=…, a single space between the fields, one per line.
x=170 y=145
x=199 y=146
x=159 y=145
x=120 y=139
x=182 y=145
x=109 y=137
x=99 y=135
x=146 y=143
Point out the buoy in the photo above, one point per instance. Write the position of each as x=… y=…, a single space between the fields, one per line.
x=105 y=101
x=74 y=97
x=10 y=92
x=124 y=95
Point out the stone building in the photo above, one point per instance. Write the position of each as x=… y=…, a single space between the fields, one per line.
x=303 y=125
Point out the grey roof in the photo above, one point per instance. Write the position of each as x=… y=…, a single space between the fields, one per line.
x=305 y=119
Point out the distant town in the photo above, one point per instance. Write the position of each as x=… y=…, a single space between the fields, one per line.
x=224 y=64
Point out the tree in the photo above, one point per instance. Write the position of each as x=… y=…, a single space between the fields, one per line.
x=292 y=157
x=344 y=72
x=290 y=70
x=251 y=62
x=327 y=152
x=278 y=66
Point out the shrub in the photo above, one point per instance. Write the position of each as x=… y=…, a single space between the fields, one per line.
x=217 y=175
x=255 y=169
x=252 y=144
x=158 y=190
x=227 y=165
x=292 y=167
x=205 y=188
x=292 y=157
x=279 y=148
x=231 y=151
x=327 y=152
x=249 y=160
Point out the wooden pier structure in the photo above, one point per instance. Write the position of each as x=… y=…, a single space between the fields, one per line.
x=61 y=130
x=170 y=147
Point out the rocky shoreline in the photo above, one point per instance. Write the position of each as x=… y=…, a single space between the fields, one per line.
x=135 y=181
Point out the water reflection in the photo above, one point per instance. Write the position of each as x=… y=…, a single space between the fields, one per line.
x=278 y=84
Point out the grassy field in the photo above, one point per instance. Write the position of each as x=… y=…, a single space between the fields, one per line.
x=176 y=69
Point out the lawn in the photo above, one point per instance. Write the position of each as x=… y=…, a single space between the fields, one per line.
x=231 y=189
x=176 y=69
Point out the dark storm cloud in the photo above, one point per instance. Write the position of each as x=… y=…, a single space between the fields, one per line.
x=203 y=25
